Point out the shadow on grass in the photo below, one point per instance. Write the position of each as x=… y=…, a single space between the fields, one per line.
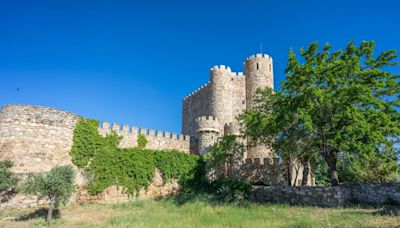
x=39 y=213
x=388 y=210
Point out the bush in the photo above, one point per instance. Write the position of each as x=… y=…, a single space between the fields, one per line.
x=8 y=181
x=56 y=186
x=231 y=191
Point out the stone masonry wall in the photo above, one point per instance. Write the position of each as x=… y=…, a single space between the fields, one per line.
x=345 y=194
x=157 y=140
x=261 y=171
x=35 y=138
x=222 y=97
x=195 y=105
x=38 y=138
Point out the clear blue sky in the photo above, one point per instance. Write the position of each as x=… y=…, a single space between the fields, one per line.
x=133 y=62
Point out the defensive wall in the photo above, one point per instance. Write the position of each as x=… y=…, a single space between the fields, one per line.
x=38 y=138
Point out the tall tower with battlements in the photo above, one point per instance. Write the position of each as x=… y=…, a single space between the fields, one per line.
x=259 y=74
x=218 y=102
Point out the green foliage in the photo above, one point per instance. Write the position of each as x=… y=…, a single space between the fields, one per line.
x=132 y=168
x=368 y=167
x=57 y=186
x=142 y=141
x=332 y=103
x=227 y=151
x=87 y=142
x=230 y=191
x=8 y=181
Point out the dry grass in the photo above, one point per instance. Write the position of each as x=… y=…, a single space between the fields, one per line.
x=166 y=213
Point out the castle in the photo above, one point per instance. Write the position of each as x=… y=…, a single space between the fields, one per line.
x=38 y=138
x=211 y=111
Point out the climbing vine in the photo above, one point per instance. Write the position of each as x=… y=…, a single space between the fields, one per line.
x=142 y=141
x=105 y=164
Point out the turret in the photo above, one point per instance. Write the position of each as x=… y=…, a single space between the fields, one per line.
x=259 y=74
x=221 y=94
x=208 y=131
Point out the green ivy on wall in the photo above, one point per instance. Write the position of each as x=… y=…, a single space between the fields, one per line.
x=142 y=141
x=105 y=164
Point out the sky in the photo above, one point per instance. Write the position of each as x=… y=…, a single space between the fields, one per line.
x=132 y=62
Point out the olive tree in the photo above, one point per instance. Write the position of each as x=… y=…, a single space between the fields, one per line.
x=56 y=186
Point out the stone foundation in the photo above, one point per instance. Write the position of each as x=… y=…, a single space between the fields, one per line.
x=345 y=194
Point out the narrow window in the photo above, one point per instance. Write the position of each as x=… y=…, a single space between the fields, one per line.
x=257 y=66
x=243 y=102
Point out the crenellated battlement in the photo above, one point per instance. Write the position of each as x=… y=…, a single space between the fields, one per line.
x=221 y=68
x=207 y=124
x=196 y=91
x=106 y=127
x=259 y=56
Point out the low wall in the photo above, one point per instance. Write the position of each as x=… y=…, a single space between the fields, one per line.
x=333 y=196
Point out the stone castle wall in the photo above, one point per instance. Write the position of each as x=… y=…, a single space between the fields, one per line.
x=157 y=140
x=35 y=138
x=333 y=196
x=38 y=138
x=223 y=97
x=195 y=105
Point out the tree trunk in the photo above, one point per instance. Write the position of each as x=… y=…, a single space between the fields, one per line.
x=306 y=172
x=331 y=159
x=289 y=173
x=50 y=211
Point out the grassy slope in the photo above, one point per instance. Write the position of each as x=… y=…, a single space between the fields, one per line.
x=150 y=213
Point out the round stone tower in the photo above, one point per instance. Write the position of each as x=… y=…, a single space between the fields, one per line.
x=208 y=131
x=259 y=74
x=221 y=94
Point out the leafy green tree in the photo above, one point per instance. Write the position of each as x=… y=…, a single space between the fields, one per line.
x=368 y=167
x=56 y=186
x=8 y=181
x=227 y=153
x=332 y=103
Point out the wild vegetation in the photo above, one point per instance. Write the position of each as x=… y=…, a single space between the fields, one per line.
x=166 y=213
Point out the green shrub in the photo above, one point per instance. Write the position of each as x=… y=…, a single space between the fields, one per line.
x=8 y=181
